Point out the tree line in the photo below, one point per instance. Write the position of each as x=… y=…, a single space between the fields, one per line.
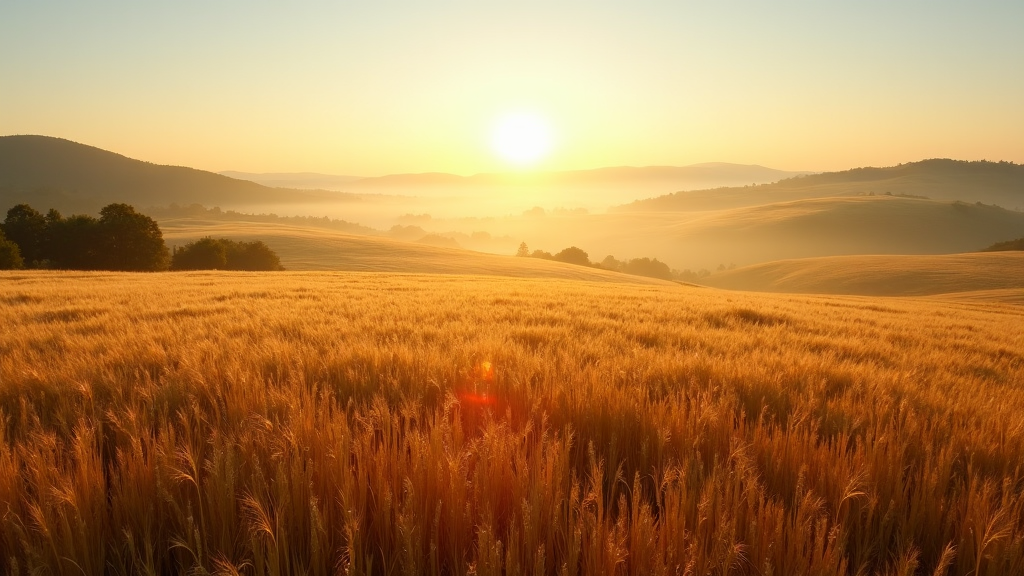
x=121 y=239
x=651 y=267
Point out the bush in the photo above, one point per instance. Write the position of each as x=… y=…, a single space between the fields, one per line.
x=203 y=254
x=253 y=256
x=223 y=254
x=10 y=256
x=648 y=267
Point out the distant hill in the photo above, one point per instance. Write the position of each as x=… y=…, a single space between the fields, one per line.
x=53 y=172
x=1000 y=183
x=783 y=230
x=897 y=275
x=492 y=194
x=671 y=177
x=295 y=180
x=307 y=248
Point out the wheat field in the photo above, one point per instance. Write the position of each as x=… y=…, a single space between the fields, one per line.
x=358 y=423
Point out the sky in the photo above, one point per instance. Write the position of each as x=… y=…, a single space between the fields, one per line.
x=373 y=88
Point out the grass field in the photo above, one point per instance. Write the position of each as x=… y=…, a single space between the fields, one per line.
x=359 y=423
x=998 y=274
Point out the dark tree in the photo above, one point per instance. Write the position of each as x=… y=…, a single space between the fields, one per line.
x=611 y=263
x=251 y=256
x=573 y=255
x=523 y=251
x=130 y=241
x=1017 y=244
x=26 y=227
x=72 y=242
x=648 y=267
x=203 y=254
x=223 y=254
x=10 y=256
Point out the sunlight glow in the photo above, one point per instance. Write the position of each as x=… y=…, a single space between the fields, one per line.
x=522 y=139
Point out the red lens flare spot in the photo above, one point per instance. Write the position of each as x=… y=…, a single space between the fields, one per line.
x=477 y=391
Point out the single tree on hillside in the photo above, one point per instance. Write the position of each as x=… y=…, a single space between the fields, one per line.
x=26 y=227
x=130 y=241
x=10 y=256
x=523 y=251
x=612 y=263
x=573 y=255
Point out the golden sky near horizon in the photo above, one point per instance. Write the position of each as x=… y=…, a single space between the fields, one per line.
x=371 y=89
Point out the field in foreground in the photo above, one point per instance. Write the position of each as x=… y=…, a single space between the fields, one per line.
x=882 y=275
x=401 y=424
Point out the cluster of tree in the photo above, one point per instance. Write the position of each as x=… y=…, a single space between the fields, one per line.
x=572 y=255
x=639 y=267
x=120 y=239
x=223 y=254
x=651 y=267
x=1017 y=244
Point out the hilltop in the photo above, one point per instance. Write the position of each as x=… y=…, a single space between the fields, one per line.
x=1000 y=183
x=71 y=176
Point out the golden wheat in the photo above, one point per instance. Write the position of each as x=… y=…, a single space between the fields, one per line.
x=313 y=423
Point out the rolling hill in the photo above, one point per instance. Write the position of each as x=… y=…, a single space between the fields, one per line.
x=306 y=248
x=295 y=180
x=1000 y=183
x=987 y=275
x=784 y=230
x=53 y=172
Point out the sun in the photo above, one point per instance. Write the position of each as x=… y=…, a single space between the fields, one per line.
x=522 y=139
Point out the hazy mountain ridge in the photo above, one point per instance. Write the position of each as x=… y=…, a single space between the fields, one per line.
x=818 y=215
x=294 y=180
x=69 y=175
x=674 y=177
x=1000 y=183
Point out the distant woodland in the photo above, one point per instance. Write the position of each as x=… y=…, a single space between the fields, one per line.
x=650 y=267
x=1017 y=244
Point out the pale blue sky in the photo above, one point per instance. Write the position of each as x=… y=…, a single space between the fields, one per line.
x=372 y=88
